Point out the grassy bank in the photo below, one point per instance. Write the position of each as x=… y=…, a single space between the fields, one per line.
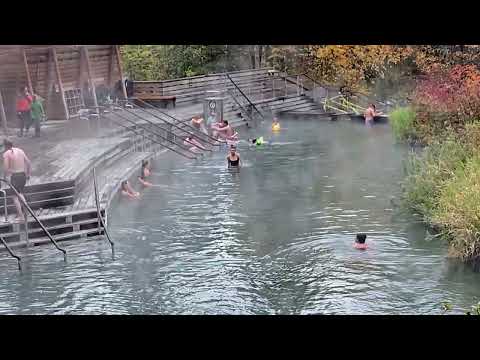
x=443 y=185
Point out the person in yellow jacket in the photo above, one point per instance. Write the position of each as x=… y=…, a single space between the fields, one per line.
x=275 y=125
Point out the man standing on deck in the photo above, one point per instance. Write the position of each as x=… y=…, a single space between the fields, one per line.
x=17 y=167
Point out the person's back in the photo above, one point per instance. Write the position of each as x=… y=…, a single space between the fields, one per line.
x=16 y=160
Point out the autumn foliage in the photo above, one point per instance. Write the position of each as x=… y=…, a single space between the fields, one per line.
x=354 y=65
x=447 y=99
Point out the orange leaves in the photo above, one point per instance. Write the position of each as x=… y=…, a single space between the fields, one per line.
x=353 y=65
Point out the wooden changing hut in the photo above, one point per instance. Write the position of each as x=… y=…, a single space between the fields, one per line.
x=67 y=77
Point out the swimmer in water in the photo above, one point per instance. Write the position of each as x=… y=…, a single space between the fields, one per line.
x=360 y=242
x=126 y=190
x=257 y=141
x=275 y=124
x=225 y=131
x=370 y=114
x=144 y=173
x=233 y=158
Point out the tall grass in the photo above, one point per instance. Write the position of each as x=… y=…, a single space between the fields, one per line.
x=428 y=173
x=443 y=185
x=402 y=120
x=458 y=210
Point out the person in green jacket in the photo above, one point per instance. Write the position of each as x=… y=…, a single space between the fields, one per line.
x=37 y=114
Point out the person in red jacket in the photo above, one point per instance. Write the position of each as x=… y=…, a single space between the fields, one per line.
x=24 y=107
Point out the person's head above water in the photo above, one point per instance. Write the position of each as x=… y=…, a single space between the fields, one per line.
x=225 y=122
x=360 y=238
x=124 y=185
x=144 y=163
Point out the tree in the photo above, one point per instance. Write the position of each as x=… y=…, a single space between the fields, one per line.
x=353 y=66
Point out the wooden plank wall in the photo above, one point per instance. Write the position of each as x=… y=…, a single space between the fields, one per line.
x=191 y=88
x=71 y=68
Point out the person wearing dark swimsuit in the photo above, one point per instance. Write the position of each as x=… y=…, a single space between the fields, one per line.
x=233 y=158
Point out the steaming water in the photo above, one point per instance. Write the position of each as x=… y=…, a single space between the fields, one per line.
x=274 y=238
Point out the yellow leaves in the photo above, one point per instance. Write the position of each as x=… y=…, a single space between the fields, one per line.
x=351 y=65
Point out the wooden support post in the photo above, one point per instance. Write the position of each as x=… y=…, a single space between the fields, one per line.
x=111 y=63
x=50 y=81
x=3 y=116
x=60 y=83
x=90 y=79
x=25 y=63
x=120 y=70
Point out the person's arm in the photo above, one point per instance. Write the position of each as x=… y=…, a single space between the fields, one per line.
x=143 y=182
x=129 y=195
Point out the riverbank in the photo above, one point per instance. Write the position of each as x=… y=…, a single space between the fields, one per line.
x=443 y=182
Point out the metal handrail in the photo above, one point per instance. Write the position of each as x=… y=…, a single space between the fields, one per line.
x=175 y=119
x=99 y=213
x=155 y=141
x=153 y=132
x=343 y=104
x=151 y=122
x=245 y=96
x=240 y=106
x=24 y=203
x=10 y=251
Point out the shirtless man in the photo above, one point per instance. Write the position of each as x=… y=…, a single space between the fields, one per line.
x=198 y=123
x=226 y=132
x=370 y=114
x=17 y=166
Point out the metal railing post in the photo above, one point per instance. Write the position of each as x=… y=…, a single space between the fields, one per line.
x=26 y=232
x=99 y=213
x=5 y=204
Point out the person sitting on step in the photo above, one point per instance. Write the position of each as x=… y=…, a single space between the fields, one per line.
x=144 y=173
x=126 y=190
x=190 y=140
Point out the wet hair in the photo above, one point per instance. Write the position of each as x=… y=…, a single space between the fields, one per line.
x=8 y=144
x=373 y=106
x=253 y=141
x=225 y=122
x=233 y=147
x=124 y=185
x=360 y=238
x=144 y=163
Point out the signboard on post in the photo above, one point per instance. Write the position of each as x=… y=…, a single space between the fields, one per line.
x=213 y=110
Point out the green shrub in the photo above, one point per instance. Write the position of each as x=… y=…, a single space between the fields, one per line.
x=458 y=210
x=402 y=120
x=428 y=173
